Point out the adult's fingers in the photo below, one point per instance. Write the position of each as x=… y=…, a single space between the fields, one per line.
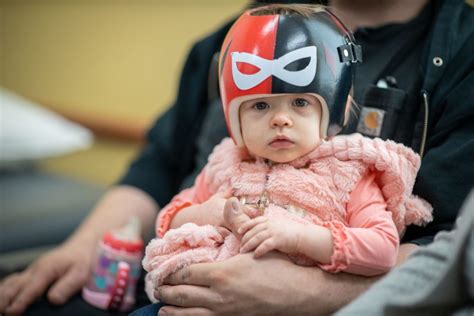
x=173 y=310
x=30 y=288
x=74 y=279
x=187 y=296
x=195 y=274
x=9 y=288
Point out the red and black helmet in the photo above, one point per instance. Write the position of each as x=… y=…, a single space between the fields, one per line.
x=288 y=53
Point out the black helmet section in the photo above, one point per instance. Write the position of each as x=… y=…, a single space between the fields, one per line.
x=336 y=52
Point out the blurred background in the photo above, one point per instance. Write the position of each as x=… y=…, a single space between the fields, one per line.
x=111 y=66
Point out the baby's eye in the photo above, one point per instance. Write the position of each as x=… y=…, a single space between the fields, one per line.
x=300 y=102
x=261 y=106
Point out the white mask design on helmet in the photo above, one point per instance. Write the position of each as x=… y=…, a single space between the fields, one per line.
x=275 y=67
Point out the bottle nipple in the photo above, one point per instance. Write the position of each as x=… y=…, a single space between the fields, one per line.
x=127 y=238
x=129 y=232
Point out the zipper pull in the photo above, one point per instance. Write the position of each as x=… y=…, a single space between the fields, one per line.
x=425 y=95
x=263 y=202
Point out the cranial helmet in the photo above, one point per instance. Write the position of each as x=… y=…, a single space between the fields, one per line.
x=272 y=54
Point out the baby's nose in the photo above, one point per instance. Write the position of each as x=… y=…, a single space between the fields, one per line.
x=281 y=120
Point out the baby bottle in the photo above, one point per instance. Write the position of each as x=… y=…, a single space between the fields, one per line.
x=116 y=269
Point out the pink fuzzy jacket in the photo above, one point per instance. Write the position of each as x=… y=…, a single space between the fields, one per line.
x=318 y=188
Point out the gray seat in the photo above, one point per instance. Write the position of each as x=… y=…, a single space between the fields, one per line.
x=40 y=209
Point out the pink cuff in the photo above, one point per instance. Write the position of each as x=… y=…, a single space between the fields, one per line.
x=340 y=255
x=167 y=215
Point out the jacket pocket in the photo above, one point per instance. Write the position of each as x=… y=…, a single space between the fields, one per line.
x=380 y=111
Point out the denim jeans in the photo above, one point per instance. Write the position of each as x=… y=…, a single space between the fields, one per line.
x=148 y=310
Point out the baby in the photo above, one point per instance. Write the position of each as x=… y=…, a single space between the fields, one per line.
x=339 y=203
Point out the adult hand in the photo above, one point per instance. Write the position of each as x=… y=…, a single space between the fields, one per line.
x=247 y=286
x=66 y=268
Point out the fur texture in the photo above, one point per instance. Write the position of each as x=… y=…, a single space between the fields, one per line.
x=319 y=183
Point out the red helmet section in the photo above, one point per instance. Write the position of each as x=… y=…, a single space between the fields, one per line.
x=242 y=37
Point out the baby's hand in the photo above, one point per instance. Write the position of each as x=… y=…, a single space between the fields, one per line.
x=263 y=234
x=234 y=215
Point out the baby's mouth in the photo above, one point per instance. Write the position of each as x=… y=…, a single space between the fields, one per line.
x=281 y=142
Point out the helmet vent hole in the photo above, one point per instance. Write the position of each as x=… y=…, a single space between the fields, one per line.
x=299 y=64
x=247 y=68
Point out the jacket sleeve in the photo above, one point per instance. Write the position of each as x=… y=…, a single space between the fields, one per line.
x=368 y=245
x=168 y=156
x=196 y=194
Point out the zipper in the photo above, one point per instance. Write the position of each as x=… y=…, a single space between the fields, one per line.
x=263 y=201
x=424 y=93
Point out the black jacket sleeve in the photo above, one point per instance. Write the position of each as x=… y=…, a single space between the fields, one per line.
x=168 y=155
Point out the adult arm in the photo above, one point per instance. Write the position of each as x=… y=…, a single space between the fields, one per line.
x=432 y=282
x=66 y=268
x=268 y=285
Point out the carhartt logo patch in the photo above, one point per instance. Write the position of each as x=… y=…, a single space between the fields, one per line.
x=370 y=121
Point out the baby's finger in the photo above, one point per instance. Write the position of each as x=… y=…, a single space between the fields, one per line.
x=252 y=243
x=253 y=232
x=265 y=247
x=233 y=215
x=250 y=224
x=223 y=231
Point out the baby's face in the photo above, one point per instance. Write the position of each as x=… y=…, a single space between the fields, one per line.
x=281 y=128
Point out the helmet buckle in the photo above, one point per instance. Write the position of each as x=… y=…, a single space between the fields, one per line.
x=350 y=53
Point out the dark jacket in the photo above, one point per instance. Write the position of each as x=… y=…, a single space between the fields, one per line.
x=446 y=174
